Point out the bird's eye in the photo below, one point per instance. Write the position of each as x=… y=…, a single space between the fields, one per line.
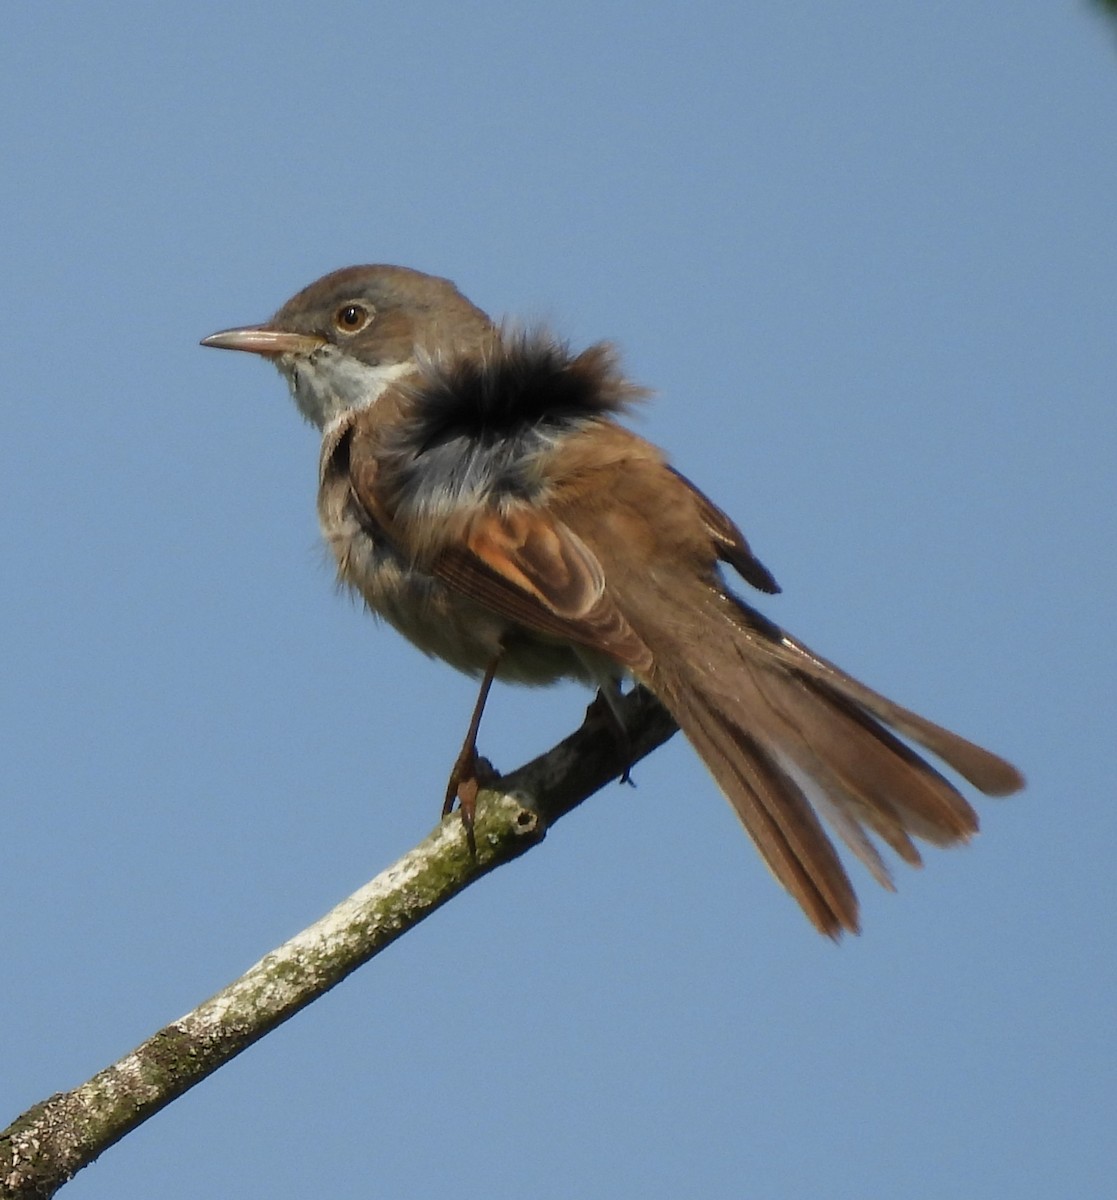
x=351 y=318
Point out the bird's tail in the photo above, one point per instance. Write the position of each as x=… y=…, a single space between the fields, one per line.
x=775 y=723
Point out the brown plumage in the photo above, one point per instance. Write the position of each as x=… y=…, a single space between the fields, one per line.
x=477 y=491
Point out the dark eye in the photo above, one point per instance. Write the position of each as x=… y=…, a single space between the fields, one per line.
x=350 y=318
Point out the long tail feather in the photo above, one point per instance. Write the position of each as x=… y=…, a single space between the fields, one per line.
x=769 y=717
x=988 y=772
x=772 y=808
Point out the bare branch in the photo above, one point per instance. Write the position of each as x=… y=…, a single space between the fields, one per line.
x=49 y=1143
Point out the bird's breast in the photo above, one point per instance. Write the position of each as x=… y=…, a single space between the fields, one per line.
x=433 y=616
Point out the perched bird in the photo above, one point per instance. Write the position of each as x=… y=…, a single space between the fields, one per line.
x=477 y=490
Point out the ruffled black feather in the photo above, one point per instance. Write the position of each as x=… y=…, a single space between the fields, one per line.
x=476 y=425
x=527 y=380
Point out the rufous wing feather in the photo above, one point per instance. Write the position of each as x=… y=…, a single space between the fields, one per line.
x=531 y=568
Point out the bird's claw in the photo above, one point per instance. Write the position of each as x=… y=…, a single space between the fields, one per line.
x=599 y=714
x=470 y=774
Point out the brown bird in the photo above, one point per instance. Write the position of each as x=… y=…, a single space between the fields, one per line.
x=478 y=492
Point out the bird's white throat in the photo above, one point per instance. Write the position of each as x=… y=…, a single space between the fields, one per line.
x=328 y=383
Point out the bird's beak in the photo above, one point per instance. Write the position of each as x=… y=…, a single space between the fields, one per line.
x=263 y=339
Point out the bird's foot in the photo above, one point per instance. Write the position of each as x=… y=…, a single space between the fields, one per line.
x=601 y=714
x=470 y=774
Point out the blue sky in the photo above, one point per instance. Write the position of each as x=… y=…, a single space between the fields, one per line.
x=865 y=255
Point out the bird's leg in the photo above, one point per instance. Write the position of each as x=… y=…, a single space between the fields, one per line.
x=603 y=710
x=470 y=773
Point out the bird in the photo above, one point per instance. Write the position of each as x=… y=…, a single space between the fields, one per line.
x=479 y=490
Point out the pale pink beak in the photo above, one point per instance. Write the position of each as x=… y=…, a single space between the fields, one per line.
x=262 y=339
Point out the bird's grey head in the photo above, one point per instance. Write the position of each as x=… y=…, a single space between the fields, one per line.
x=341 y=342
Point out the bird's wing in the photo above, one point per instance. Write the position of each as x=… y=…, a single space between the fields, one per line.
x=521 y=562
x=728 y=541
x=529 y=567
